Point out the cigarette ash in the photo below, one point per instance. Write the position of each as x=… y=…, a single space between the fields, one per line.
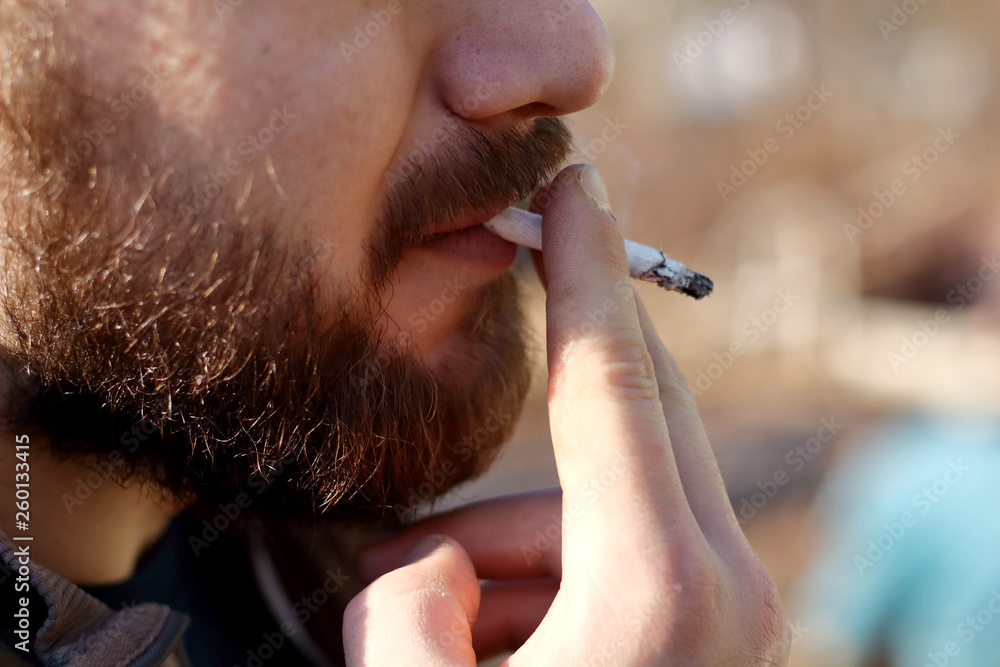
x=672 y=275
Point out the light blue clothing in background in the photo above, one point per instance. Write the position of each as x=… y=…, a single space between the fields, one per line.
x=910 y=559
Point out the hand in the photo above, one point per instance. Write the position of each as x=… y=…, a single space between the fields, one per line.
x=652 y=567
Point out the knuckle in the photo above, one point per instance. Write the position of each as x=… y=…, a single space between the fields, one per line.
x=632 y=378
x=693 y=578
x=702 y=589
x=694 y=584
x=614 y=360
x=760 y=610
x=624 y=363
x=766 y=618
x=710 y=598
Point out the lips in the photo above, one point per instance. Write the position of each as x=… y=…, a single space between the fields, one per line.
x=467 y=241
x=465 y=222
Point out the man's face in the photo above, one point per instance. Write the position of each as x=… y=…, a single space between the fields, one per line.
x=222 y=220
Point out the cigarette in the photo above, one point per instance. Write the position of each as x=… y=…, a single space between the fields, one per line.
x=644 y=263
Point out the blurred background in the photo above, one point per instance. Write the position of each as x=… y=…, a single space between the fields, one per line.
x=835 y=168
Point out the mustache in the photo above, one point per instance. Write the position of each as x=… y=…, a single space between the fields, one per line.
x=464 y=173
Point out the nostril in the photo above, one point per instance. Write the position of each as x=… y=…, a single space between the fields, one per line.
x=532 y=110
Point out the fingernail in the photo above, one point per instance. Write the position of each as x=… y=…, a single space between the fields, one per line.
x=423 y=548
x=594 y=186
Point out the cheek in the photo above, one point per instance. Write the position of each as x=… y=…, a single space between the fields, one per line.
x=317 y=175
x=330 y=168
x=265 y=104
x=324 y=176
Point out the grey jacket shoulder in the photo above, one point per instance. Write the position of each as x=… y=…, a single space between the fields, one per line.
x=305 y=576
x=80 y=631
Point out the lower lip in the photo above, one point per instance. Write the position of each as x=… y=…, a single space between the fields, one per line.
x=473 y=244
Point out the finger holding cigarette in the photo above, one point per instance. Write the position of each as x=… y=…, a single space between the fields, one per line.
x=660 y=534
x=644 y=263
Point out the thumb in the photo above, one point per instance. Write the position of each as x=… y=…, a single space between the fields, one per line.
x=419 y=614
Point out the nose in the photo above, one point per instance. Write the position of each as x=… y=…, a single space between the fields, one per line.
x=523 y=58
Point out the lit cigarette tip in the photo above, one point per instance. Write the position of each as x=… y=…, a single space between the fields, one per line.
x=694 y=284
x=644 y=263
x=700 y=287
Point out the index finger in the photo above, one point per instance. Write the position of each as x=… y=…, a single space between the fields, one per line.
x=606 y=418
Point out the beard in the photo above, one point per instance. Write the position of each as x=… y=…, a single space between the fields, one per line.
x=196 y=354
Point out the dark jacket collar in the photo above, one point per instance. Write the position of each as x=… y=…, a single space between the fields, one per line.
x=79 y=629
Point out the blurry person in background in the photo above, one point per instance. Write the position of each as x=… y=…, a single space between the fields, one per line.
x=907 y=570
x=245 y=283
